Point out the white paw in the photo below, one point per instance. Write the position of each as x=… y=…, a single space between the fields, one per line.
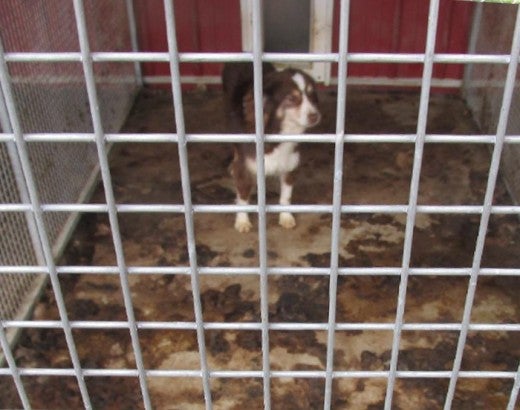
x=287 y=220
x=242 y=223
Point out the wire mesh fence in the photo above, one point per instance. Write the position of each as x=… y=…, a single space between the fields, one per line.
x=52 y=98
x=66 y=97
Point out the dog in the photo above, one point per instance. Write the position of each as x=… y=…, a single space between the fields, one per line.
x=290 y=106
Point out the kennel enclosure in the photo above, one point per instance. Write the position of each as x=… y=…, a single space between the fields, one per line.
x=65 y=99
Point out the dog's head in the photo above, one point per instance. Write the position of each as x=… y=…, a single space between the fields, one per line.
x=290 y=102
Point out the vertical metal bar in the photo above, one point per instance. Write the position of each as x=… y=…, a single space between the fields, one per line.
x=472 y=45
x=336 y=201
x=132 y=26
x=5 y=124
x=186 y=192
x=414 y=191
x=90 y=82
x=261 y=189
x=486 y=209
x=14 y=369
x=246 y=24
x=46 y=248
x=514 y=391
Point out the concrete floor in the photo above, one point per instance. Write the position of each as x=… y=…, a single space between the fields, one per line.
x=374 y=174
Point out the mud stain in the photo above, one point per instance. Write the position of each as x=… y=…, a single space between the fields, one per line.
x=149 y=173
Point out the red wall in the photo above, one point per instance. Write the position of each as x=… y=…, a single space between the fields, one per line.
x=399 y=26
x=375 y=26
x=202 y=25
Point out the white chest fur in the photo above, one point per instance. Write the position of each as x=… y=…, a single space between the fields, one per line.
x=281 y=160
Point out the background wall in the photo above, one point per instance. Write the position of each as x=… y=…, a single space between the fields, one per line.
x=485 y=82
x=376 y=26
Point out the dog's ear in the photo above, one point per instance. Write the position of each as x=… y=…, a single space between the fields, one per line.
x=270 y=83
x=248 y=108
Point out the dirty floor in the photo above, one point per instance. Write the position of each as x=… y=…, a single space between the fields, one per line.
x=148 y=173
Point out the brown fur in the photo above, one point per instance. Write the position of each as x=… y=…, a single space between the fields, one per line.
x=288 y=95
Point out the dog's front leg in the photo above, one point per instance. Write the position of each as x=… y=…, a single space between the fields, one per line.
x=244 y=185
x=286 y=186
x=242 y=223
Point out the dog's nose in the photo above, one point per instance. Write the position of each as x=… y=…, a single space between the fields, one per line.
x=313 y=118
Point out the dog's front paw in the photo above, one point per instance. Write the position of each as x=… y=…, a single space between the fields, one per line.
x=287 y=220
x=242 y=223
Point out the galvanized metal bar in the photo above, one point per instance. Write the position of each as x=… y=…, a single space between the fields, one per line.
x=514 y=391
x=409 y=82
x=285 y=326
x=250 y=138
x=90 y=82
x=194 y=57
x=44 y=243
x=507 y=97
x=299 y=374
x=13 y=368
x=41 y=57
x=173 y=56
x=337 y=196
x=345 y=209
x=132 y=28
x=414 y=192
x=263 y=271
x=222 y=270
x=276 y=271
x=271 y=208
x=258 y=49
x=353 y=80
x=472 y=46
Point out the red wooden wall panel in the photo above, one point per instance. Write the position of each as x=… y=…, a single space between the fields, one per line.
x=399 y=26
x=375 y=26
x=202 y=25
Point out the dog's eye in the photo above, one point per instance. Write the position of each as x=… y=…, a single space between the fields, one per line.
x=293 y=99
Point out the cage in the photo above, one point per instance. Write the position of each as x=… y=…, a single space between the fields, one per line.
x=123 y=283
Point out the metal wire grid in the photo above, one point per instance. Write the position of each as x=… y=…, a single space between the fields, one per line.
x=16 y=245
x=52 y=98
x=181 y=138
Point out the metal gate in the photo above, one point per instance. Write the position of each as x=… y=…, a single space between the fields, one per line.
x=30 y=241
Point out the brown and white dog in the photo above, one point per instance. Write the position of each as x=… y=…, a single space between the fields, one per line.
x=290 y=107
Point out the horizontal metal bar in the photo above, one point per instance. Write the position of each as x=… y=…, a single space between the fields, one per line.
x=162 y=57
x=459 y=58
x=379 y=81
x=251 y=326
x=216 y=79
x=183 y=270
x=33 y=57
x=352 y=80
x=232 y=208
x=250 y=138
x=217 y=374
x=444 y=58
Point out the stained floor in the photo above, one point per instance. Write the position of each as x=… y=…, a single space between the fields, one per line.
x=374 y=173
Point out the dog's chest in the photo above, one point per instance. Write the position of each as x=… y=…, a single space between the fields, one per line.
x=280 y=160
